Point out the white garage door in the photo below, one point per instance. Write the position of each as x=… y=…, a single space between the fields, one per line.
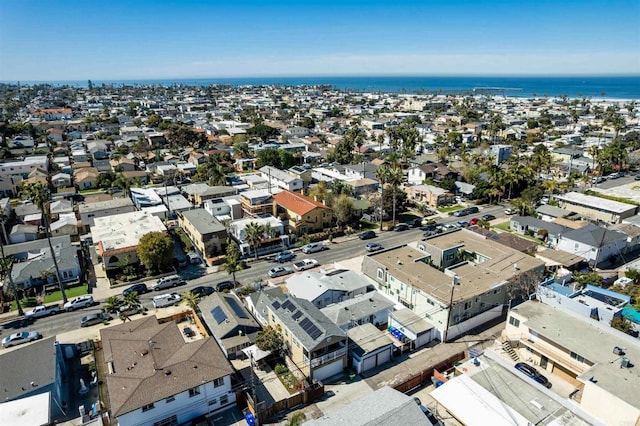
x=328 y=370
x=384 y=356
x=368 y=363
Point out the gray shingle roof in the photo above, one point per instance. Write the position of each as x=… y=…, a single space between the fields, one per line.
x=35 y=363
x=224 y=314
x=203 y=221
x=533 y=223
x=594 y=236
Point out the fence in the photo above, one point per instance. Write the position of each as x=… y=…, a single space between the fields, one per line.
x=305 y=396
x=426 y=374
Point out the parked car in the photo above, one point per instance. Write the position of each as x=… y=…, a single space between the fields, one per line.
x=127 y=310
x=613 y=176
x=462 y=224
x=93 y=319
x=194 y=259
x=474 y=220
x=166 y=300
x=414 y=223
x=136 y=288
x=41 y=311
x=597 y=179
x=461 y=212
x=313 y=248
x=510 y=211
x=79 y=303
x=367 y=235
x=373 y=247
x=433 y=420
x=305 y=264
x=488 y=217
x=279 y=271
x=473 y=209
x=203 y=290
x=285 y=256
x=401 y=227
x=168 y=282
x=20 y=338
x=225 y=285
x=533 y=373
x=637 y=177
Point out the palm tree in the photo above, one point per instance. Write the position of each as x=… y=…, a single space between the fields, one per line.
x=192 y=300
x=6 y=264
x=383 y=177
x=217 y=175
x=254 y=232
x=39 y=194
x=132 y=299
x=395 y=179
x=112 y=304
x=232 y=263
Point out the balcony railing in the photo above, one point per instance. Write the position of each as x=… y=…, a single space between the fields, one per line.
x=318 y=361
x=556 y=355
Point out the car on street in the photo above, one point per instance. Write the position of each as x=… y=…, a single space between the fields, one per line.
x=461 y=213
x=79 y=303
x=367 y=235
x=203 y=290
x=285 y=256
x=533 y=374
x=313 y=248
x=41 y=311
x=20 y=338
x=509 y=211
x=613 y=176
x=279 y=271
x=462 y=224
x=371 y=247
x=127 y=310
x=637 y=177
x=225 y=285
x=487 y=217
x=93 y=319
x=136 y=288
x=305 y=264
x=168 y=282
x=474 y=220
x=401 y=227
x=414 y=223
x=164 y=300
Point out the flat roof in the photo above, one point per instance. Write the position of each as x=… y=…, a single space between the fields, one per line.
x=114 y=203
x=124 y=230
x=598 y=203
x=594 y=342
x=368 y=338
x=31 y=411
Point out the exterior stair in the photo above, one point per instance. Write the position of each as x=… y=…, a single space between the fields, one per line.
x=506 y=346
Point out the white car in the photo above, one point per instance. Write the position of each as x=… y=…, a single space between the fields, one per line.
x=20 y=338
x=305 y=264
x=78 y=303
x=166 y=300
x=313 y=248
x=279 y=271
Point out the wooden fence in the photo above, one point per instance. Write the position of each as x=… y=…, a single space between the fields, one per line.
x=425 y=375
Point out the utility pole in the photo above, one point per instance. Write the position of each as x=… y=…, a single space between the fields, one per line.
x=455 y=282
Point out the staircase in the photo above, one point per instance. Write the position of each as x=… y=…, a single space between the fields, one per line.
x=506 y=346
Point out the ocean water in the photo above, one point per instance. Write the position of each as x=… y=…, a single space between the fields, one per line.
x=611 y=87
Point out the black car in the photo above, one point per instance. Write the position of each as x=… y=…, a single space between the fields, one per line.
x=225 y=285
x=487 y=217
x=415 y=223
x=367 y=235
x=533 y=373
x=401 y=227
x=203 y=290
x=138 y=288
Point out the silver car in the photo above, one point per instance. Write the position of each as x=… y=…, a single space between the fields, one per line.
x=20 y=338
x=313 y=248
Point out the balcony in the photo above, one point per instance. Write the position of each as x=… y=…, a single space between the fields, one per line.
x=324 y=359
x=556 y=355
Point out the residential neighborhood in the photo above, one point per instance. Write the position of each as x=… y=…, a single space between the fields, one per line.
x=198 y=256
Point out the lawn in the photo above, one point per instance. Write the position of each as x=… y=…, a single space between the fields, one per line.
x=55 y=296
x=91 y=191
x=450 y=209
x=504 y=226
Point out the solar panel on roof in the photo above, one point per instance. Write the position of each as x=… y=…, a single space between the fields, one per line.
x=237 y=309
x=297 y=315
x=287 y=304
x=315 y=333
x=310 y=328
x=276 y=304
x=218 y=315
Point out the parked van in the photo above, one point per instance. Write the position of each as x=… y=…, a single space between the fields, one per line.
x=168 y=282
x=166 y=300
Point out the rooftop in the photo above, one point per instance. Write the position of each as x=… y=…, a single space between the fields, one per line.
x=105 y=205
x=27 y=367
x=202 y=221
x=311 y=284
x=368 y=338
x=357 y=307
x=591 y=201
x=298 y=203
x=151 y=362
x=124 y=230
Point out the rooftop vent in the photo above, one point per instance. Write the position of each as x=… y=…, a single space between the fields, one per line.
x=144 y=352
x=167 y=372
x=624 y=362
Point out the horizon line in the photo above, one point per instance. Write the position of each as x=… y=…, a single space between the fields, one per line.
x=348 y=75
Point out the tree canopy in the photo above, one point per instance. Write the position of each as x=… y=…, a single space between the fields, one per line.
x=269 y=339
x=278 y=158
x=155 y=251
x=262 y=132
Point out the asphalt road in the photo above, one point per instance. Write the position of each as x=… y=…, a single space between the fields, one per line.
x=195 y=276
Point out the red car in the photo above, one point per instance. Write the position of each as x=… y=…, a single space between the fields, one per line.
x=474 y=221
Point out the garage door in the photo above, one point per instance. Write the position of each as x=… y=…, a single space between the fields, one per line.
x=328 y=370
x=368 y=363
x=384 y=357
x=565 y=374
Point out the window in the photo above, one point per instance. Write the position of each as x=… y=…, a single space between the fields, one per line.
x=170 y=399
x=577 y=357
x=380 y=274
x=514 y=321
x=194 y=391
x=224 y=399
x=169 y=421
x=467 y=305
x=218 y=382
x=148 y=407
x=214 y=401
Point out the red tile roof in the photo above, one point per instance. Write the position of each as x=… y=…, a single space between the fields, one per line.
x=297 y=203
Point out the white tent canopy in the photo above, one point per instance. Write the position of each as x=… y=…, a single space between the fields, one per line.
x=255 y=353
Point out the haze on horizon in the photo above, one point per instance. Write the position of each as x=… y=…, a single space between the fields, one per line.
x=111 y=40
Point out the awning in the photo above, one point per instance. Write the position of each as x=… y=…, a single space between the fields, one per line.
x=255 y=353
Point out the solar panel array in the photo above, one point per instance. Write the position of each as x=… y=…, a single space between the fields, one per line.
x=237 y=309
x=310 y=328
x=290 y=306
x=297 y=315
x=276 y=304
x=218 y=315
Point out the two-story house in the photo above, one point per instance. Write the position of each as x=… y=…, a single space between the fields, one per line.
x=205 y=232
x=256 y=202
x=326 y=287
x=154 y=377
x=594 y=243
x=315 y=344
x=303 y=214
x=277 y=178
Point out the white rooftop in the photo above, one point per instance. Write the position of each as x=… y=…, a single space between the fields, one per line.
x=125 y=230
x=592 y=201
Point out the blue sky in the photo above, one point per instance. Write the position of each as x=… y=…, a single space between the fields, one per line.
x=80 y=40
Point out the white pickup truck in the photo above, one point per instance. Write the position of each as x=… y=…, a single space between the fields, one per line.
x=41 y=311
x=305 y=264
